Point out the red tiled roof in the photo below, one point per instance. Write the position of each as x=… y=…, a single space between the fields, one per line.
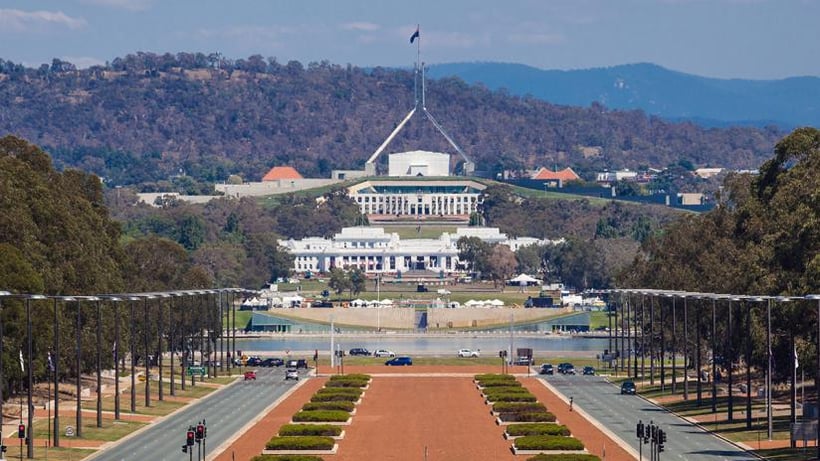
x=281 y=172
x=564 y=175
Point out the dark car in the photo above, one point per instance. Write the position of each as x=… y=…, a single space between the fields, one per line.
x=588 y=371
x=272 y=362
x=628 y=387
x=565 y=367
x=399 y=361
x=254 y=361
x=297 y=363
x=546 y=369
x=359 y=351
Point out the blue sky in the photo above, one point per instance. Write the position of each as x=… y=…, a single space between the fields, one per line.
x=758 y=39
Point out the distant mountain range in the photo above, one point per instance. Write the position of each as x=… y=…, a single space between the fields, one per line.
x=672 y=95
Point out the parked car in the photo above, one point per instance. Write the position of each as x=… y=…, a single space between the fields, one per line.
x=250 y=375
x=297 y=363
x=546 y=369
x=254 y=361
x=588 y=371
x=628 y=387
x=272 y=362
x=359 y=351
x=292 y=373
x=399 y=361
x=564 y=367
x=383 y=353
x=469 y=353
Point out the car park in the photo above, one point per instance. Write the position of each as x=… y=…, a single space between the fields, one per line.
x=546 y=369
x=292 y=373
x=297 y=363
x=399 y=361
x=469 y=353
x=383 y=353
x=272 y=362
x=588 y=371
x=628 y=387
x=359 y=351
x=250 y=375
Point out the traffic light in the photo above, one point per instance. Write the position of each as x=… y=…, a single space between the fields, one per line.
x=21 y=431
x=3 y=449
x=189 y=438
x=661 y=440
x=185 y=448
x=200 y=432
x=639 y=429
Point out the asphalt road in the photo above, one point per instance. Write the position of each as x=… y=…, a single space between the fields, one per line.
x=621 y=413
x=225 y=411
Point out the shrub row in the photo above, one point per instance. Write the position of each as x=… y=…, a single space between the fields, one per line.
x=528 y=417
x=332 y=405
x=345 y=384
x=547 y=442
x=564 y=457
x=518 y=407
x=334 y=398
x=516 y=430
x=308 y=442
x=512 y=398
x=287 y=458
x=331 y=416
x=494 y=377
x=340 y=391
x=327 y=430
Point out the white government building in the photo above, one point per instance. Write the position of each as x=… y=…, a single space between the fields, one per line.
x=376 y=252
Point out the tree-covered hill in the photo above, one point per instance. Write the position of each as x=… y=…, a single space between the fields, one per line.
x=146 y=117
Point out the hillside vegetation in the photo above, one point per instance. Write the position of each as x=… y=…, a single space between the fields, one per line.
x=146 y=117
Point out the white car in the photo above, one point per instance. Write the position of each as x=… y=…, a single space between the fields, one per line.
x=469 y=353
x=383 y=353
x=292 y=374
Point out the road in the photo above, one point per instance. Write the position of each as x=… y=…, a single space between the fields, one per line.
x=621 y=413
x=225 y=411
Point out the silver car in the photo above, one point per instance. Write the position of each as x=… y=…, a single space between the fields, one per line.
x=291 y=373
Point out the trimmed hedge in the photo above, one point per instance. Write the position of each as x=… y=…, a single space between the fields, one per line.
x=340 y=391
x=518 y=407
x=564 y=457
x=512 y=398
x=287 y=458
x=342 y=405
x=327 y=430
x=528 y=417
x=310 y=442
x=490 y=384
x=494 y=376
x=330 y=416
x=335 y=398
x=359 y=376
x=347 y=383
x=516 y=430
x=547 y=442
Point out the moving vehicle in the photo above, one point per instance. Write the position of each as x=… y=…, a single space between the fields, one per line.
x=565 y=367
x=254 y=361
x=588 y=371
x=399 y=361
x=469 y=353
x=292 y=373
x=524 y=361
x=546 y=369
x=383 y=353
x=250 y=375
x=300 y=363
x=628 y=387
x=272 y=362
x=359 y=351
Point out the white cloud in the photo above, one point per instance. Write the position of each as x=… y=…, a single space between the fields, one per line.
x=27 y=21
x=130 y=5
x=361 y=26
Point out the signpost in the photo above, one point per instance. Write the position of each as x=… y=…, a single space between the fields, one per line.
x=196 y=371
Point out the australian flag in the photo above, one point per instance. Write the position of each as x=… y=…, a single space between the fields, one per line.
x=415 y=35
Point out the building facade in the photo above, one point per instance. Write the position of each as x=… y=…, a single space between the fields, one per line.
x=374 y=251
x=417 y=198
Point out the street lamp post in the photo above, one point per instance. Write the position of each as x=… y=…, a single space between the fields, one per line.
x=714 y=355
x=2 y=295
x=685 y=348
x=817 y=377
x=99 y=363
x=30 y=375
